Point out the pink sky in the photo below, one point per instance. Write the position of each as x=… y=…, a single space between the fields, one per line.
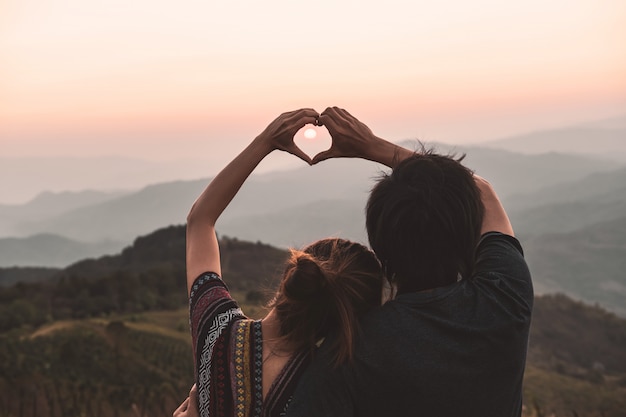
x=163 y=79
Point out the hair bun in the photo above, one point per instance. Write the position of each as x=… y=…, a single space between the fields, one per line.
x=305 y=279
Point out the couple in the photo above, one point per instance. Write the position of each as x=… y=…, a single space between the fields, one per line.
x=451 y=342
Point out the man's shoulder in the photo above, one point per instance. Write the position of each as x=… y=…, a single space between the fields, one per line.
x=500 y=239
x=387 y=320
x=501 y=255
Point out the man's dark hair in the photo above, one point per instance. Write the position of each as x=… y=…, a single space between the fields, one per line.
x=423 y=221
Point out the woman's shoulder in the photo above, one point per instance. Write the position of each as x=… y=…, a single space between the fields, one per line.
x=206 y=279
x=211 y=303
x=209 y=288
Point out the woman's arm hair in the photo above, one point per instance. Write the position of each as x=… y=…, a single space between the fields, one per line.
x=202 y=246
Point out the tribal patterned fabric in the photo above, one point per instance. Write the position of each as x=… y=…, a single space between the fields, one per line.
x=228 y=352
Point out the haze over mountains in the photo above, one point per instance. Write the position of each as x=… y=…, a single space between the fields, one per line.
x=568 y=207
x=604 y=138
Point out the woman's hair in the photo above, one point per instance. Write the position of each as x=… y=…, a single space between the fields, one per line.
x=326 y=287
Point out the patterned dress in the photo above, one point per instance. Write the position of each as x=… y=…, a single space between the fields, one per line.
x=228 y=350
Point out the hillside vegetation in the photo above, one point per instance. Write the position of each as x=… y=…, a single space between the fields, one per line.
x=148 y=276
x=110 y=337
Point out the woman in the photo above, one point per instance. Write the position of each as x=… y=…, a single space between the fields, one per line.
x=250 y=368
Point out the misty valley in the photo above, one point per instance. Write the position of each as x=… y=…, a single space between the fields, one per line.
x=93 y=307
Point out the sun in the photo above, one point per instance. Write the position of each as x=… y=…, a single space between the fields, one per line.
x=310 y=133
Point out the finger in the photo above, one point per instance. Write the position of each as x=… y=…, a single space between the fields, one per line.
x=308 y=120
x=295 y=117
x=306 y=113
x=181 y=408
x=193 y=398
x=322 y=156
x=342 y=116
x=329 y=122
x=330 y=114
x=330 y=110
x=294 y=150
x=309 y=116
x=300 y=118
x=344 y=113
x=336 y=113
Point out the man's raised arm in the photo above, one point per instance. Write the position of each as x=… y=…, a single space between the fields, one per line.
x=353 y=139
x=495 y=218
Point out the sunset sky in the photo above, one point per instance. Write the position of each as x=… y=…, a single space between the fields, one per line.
x=171 y=79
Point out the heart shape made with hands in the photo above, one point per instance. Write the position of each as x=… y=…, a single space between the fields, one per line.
x=312 y=145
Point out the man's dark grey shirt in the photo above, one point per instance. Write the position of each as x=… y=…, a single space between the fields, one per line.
x=455 y=351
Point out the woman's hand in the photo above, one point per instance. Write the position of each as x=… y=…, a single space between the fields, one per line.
x=279 y=134
x=202 y=246
x=189 y=407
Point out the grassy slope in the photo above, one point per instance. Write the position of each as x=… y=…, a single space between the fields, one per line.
x=558 y=381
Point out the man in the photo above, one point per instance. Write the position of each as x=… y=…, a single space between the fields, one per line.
x=453 y=341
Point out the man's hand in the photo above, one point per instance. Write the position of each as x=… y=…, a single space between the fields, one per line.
x=353 y=139
x=189 y=407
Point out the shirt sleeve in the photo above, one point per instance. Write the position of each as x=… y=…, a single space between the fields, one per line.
x=211 y=311
x=500 y=263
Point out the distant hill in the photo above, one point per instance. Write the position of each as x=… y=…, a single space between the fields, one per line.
x=599 y=186
x=123 y=218
x=615 y=122
x=605 y=142
x=570 y=206
x=555 y=202
x=50 y=250
x=147 y=275
x=21 y=178
x=513 y=173
x=300 y=225
x=168 y=203
x=567 y=217
x=11 y=276
x=245 y=264
x=587 y=264
x=290 y=192
x=48 y=204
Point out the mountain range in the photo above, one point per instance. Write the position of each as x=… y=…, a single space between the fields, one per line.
x=281 y=198
x=568 y=209
x=604 y=138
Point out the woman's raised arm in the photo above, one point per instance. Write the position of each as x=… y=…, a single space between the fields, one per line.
x=202 y=247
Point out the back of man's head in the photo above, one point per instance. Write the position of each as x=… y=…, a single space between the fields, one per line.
x=424 y=220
